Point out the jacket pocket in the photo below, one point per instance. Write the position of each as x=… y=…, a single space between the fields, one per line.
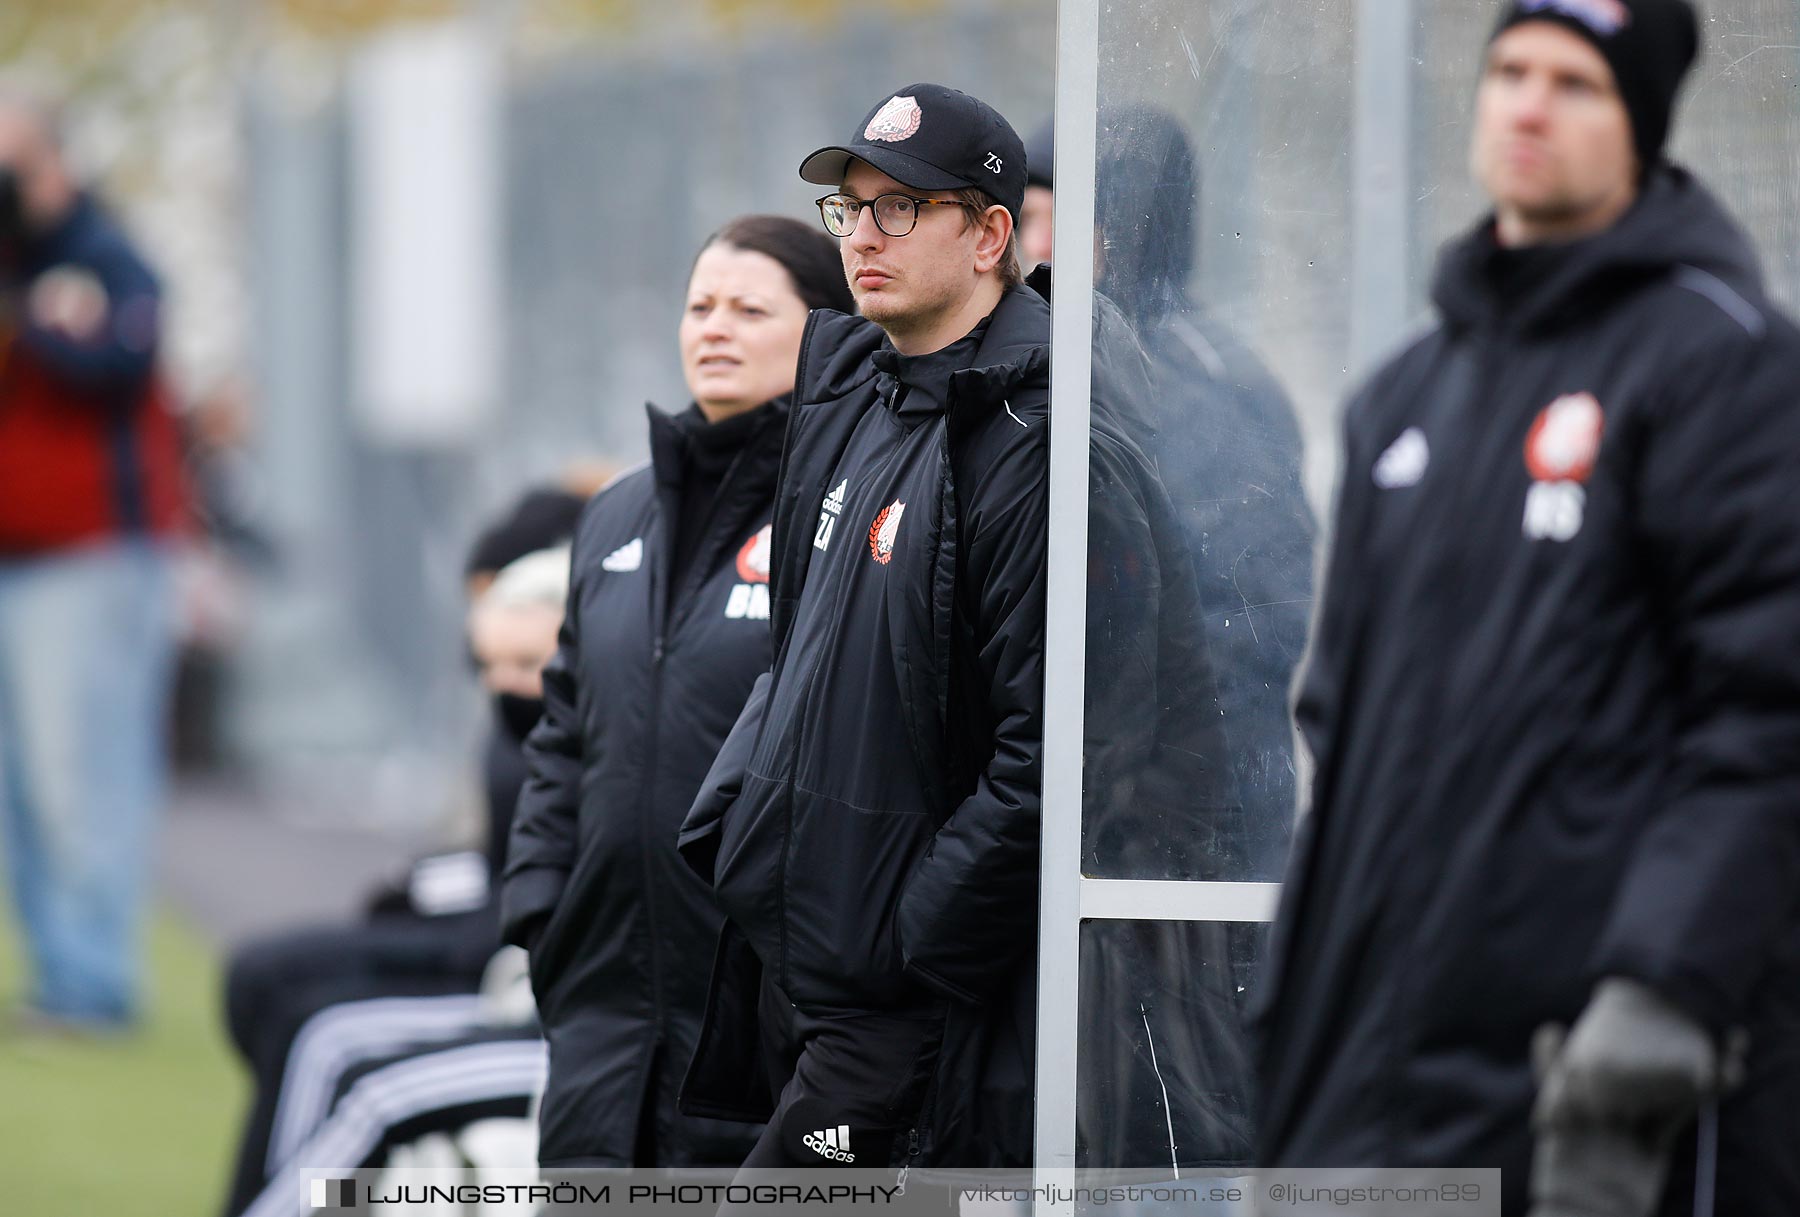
x=752 y=839
x=848 y=867
x=698 y=841
x=726 y=1079
x=544 y=963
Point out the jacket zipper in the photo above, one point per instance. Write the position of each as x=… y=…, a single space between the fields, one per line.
x=646 y=818
x=674 y=613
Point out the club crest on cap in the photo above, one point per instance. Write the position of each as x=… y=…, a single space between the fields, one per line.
x=897 y=120
x=1604 y=17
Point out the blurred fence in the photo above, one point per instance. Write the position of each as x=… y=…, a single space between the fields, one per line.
x=615 y=160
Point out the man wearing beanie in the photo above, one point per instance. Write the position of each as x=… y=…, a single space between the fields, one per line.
x=1544 y=895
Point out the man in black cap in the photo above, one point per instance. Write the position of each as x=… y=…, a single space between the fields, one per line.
x=1551 y=690
x=871 y=825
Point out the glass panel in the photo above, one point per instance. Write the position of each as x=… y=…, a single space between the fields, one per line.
x=1222 y=218
x=1164 y=1073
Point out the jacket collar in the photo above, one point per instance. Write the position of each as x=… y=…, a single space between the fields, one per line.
x=1675 y=222
x=672 y=434
x=1016 y=347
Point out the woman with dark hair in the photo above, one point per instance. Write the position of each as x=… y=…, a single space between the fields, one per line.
x=666 y=630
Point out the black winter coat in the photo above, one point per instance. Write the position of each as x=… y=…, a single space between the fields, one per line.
x=645 y=685
x=1552 y=700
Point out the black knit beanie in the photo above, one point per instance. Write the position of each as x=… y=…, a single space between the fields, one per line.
x=1650 y=45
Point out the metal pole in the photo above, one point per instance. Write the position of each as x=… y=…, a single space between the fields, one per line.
x=1381 y=197
x=1065 y=665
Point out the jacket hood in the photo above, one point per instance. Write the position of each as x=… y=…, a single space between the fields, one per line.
x=1147 y=193
x=836 y=354
x=1015 y=349
x=1675 y=222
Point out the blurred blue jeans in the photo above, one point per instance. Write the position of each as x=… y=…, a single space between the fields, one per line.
x=86 y=655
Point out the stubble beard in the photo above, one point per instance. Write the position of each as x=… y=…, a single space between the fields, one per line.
x=898 y=318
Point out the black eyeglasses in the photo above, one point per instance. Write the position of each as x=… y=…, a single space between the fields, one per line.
x=895 y=214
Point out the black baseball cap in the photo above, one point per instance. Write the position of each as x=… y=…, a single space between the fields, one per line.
x=929 y=137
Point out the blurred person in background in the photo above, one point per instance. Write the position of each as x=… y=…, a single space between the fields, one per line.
x=1037 y=212
x=1223 y=437
x=230 y=544
x=355 y=1097
x=90 y=498
x=667 y=629
x=1548 y=883
x=304 y=1005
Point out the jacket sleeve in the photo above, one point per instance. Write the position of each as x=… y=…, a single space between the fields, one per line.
x=970 y=906
x=1318 y=695
x=122 y=349
x=698 y=840
x=1714 y=881
x=1319 y=681
x=542 y=849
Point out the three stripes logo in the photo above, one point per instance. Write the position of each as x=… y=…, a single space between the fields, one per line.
x=829 y=511
x=832 y=1143
x=333 y=1193
x=627 y=557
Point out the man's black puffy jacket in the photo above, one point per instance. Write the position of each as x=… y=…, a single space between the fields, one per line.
x=1554 y=704
x=646 y=683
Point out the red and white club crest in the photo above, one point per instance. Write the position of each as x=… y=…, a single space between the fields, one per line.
x=898 y=119
x=753 y=559
x=883 y=531
x=1564 y=442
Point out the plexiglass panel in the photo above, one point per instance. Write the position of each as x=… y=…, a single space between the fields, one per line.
x=1221 y=217
x=1222 y=260
x=1164 y=1077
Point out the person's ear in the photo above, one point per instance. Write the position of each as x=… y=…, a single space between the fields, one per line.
x=996 y=225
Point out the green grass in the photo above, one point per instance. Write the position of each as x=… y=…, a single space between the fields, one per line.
x=139 y=1127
